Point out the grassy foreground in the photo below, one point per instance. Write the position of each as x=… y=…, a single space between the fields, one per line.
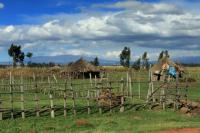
x=145 y=121
x=131 y=121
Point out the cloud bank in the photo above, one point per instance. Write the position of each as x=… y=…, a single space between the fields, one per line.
x=139 y=25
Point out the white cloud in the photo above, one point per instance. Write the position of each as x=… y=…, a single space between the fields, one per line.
x=144 y=25
x=142 y=6
x=71 y=52
x=112 y=54
x=1 y=5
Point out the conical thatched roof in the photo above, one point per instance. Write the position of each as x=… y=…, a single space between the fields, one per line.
x=82 y=66
x=158 y=66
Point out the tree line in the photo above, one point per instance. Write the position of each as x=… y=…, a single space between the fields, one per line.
x=18 y=57
x=141 y=62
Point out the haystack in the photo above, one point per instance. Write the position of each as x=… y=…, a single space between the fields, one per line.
x=106 y=98
x=83 y=69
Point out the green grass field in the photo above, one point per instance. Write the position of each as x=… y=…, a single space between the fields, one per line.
x=130 y=121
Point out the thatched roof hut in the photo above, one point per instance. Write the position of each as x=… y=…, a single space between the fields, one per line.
x=82 y=69
x=82 y=66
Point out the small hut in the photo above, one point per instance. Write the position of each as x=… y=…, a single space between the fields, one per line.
x=166 y=65
x=83 y=69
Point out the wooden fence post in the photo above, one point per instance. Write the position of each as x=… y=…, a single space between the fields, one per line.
x=95 y=80
x=130 y=88
x=98 y=101
x=11 y=96
x=139 y=87
x=65 y=100
x=51 y=105
x=22 y=98
x=1 y=110
x=110 y=97
x=90 y=79
x=88 y=101
x=122 y=97
x=36 y=96
x=74 y=102
x=127 y=84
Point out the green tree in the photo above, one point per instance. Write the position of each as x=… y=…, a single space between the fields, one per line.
x=161 y=55
x=125 y=57
x=21 y=58
x=29 y=55
x=167 y=54
x=145 y=60
x=137 y=64
x=15 y=52
x=96 y=61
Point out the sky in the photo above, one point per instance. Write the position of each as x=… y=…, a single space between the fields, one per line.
x=100 y=27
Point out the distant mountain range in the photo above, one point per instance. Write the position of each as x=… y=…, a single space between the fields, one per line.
x=65 y=59
x=188 y=59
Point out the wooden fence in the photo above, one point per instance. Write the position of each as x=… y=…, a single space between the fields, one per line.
x=69 y=96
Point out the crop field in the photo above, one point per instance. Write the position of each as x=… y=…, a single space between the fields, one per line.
x=51 y=103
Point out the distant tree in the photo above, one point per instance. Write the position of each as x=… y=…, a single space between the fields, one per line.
x=21 y=58
x=96 y=61
x=125 y=57
x=29 y=55
x=137 y=64
x=167 y=54
x=161 y=55
x=15 y=52
x=145 y=60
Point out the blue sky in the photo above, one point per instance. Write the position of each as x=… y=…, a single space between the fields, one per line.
x=100 y=27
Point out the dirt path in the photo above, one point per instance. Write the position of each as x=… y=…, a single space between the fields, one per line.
x=184 y=130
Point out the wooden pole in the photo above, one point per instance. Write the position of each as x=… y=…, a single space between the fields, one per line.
x=51 y=105
x=90 y=79
x=74 y=102
x=110 y=97
x=122 y=97
x=127 y=84
x=130 y=88
x=36 y=96
x=22 y=98
x=139 y=87
x=88 y=102
x=65 y=100
x=98 y=101
x=1 y=110
x=11 y=96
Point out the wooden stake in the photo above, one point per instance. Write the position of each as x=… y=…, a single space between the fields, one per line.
x=1 y=110
x=65 y=100
x=52 y=106
x=110 y=97
x=74 y=102
x=130 y=88
x=98 y=101
x=22 y=98
x=11 y=96
x=122 y=98
x=139 y=88
x=90 y=79
x=88 y=101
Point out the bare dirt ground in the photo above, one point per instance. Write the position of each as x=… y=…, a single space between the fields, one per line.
x=183 y=130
